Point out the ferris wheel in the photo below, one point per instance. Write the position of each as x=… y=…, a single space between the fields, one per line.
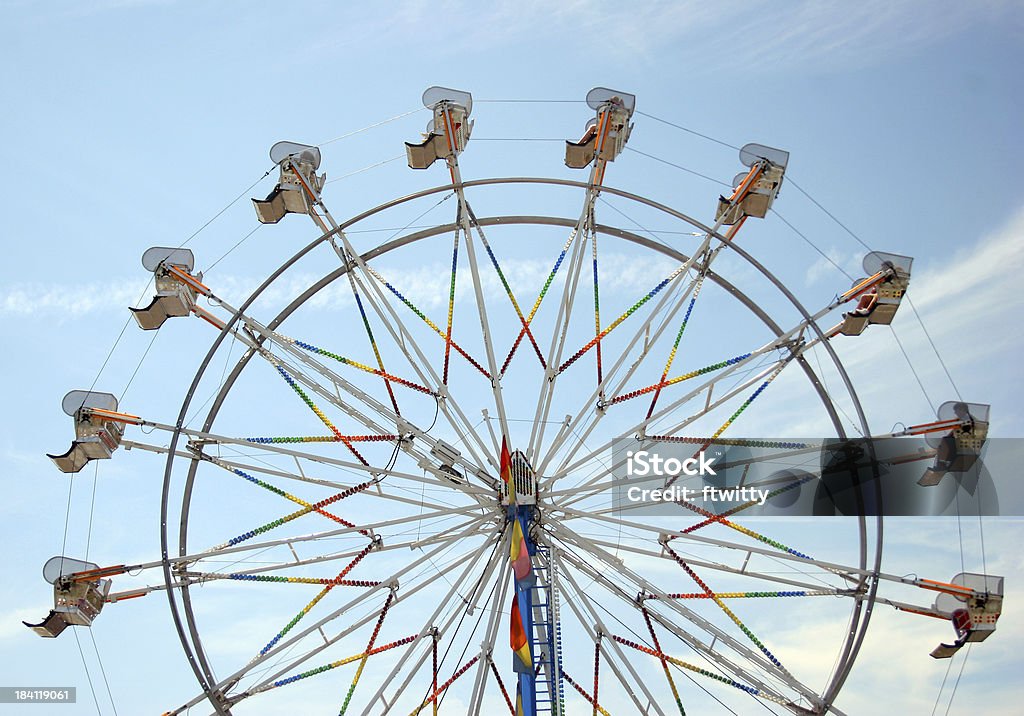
x=398 y=467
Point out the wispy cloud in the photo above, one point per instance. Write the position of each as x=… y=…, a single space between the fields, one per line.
x=64 y=300
x=985 y=275
x=761 y=35
x=12 y=617
x=425 y=285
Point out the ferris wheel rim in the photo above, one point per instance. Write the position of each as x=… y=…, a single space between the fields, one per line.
x=195 y=651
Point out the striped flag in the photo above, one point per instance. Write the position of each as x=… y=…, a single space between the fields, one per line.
x=519 y=554
x=522 y=660
x=506 y=471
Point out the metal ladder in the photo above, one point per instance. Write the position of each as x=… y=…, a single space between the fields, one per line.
x=545 y=639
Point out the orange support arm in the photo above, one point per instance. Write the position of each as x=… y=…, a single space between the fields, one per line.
x=863 y=286
x=189 y=280
x=603 y=128
x=309 y=191
x=946 y=587
x=449 y=134
x=936 y=427
x=744 y=188
x=92 y=575
x=735 y=227
x=116 y=417
x=738 y=195
x=122 y=596
x=208 y=317
x=920 y=611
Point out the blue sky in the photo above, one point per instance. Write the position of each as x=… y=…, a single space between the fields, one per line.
x=132 y=123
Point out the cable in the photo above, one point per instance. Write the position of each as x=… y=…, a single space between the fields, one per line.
x=828 y=394
x=237 y=244
x=230 y=204
x=223 y=373
x=830 y=215
x=67 y=518
x=686 y=129
x=932 y=344
x=371 y=126
x=366 y=168
x=912 y=369
x=103 y=671
x=113 y=348
x=679 y=166
x=137 y=367
x=88 y=676
x=938 y=696
x=957 y=682
x=653 y=234
x=516 y=139
x=440 y=201
x=959 y=529
x=437 y=410
x=812 y=245
x=92 y=508
x=981 y=534
x=530 y=101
